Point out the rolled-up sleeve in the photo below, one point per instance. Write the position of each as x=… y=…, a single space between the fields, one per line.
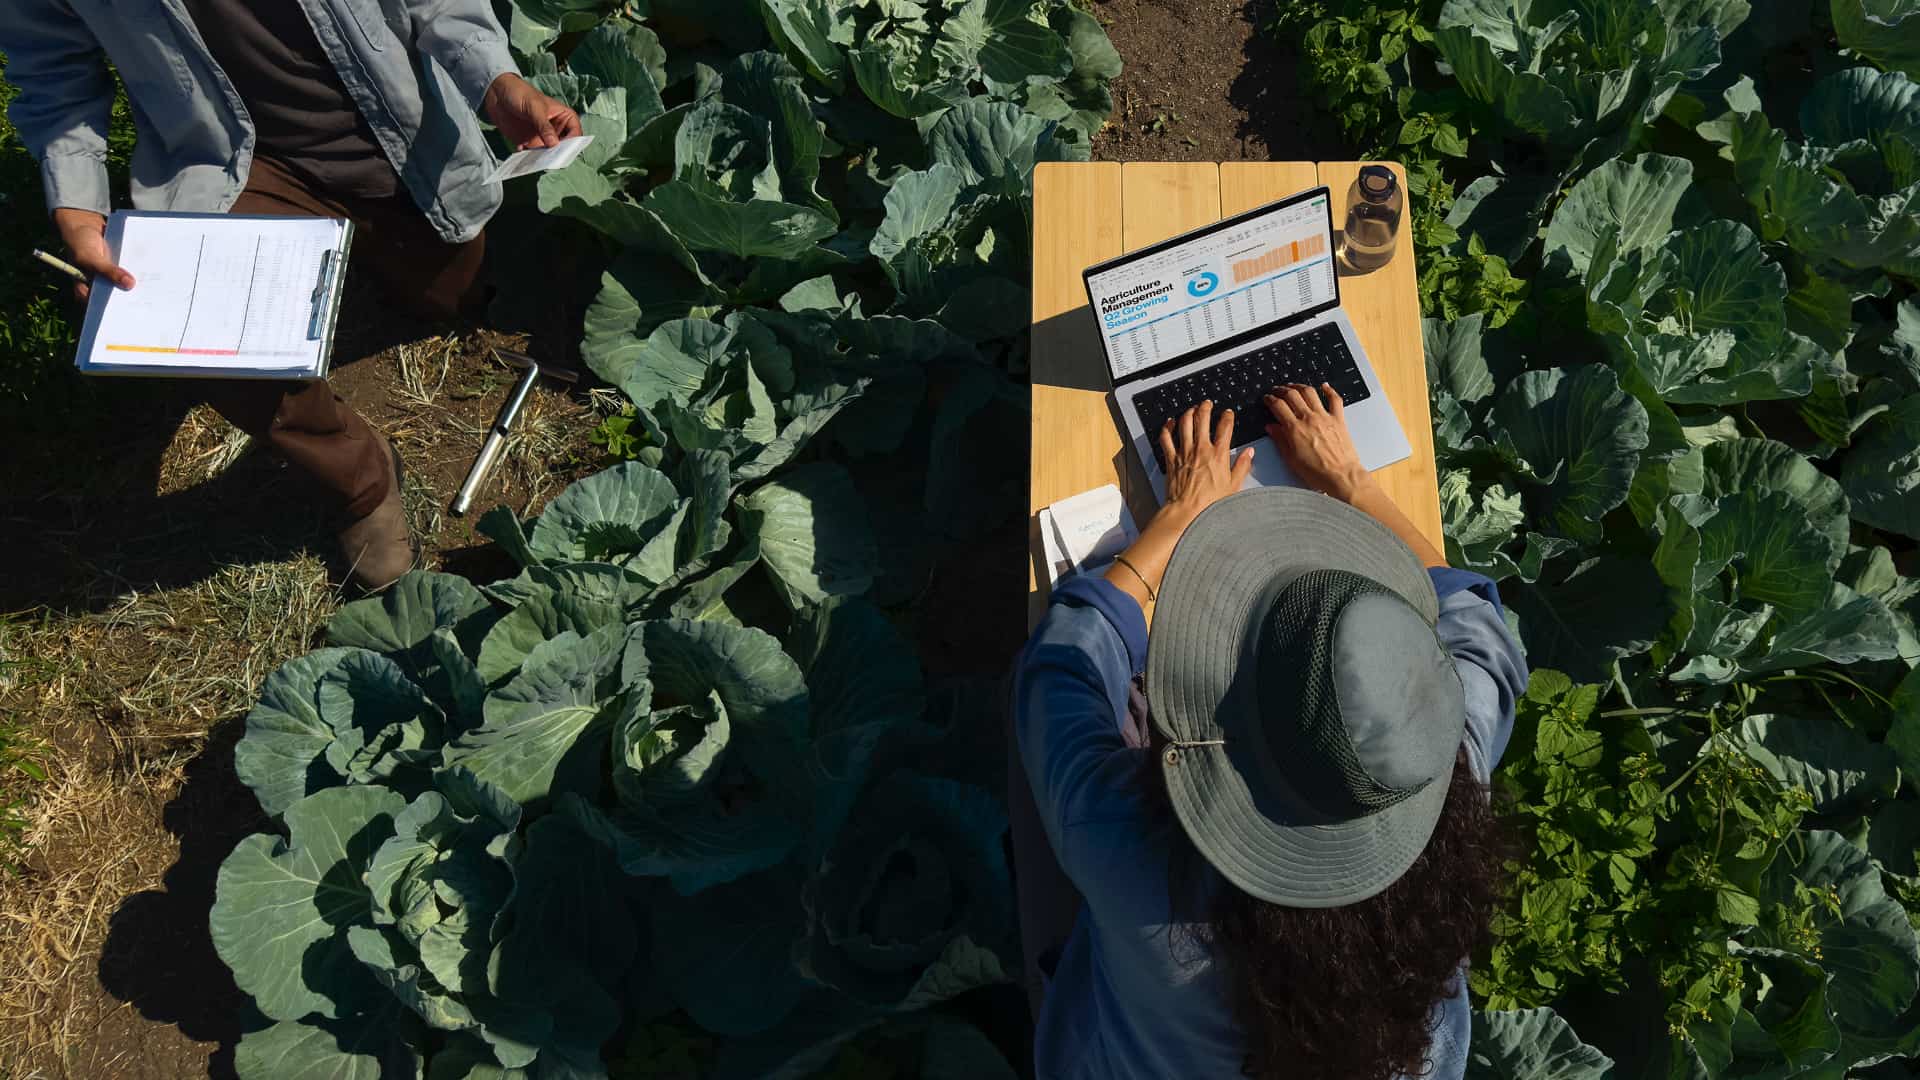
x=65 y=100
x=1492 y=668
x=1070 y=694
x=465 y=38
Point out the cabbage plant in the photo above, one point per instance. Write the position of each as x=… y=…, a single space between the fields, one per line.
x=677 y=781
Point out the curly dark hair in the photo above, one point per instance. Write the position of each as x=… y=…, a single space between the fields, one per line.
x=1344 y=993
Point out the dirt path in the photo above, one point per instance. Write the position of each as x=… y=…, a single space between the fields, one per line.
x=1205 y=82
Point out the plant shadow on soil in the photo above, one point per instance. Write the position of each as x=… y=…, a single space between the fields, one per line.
x=159 y=956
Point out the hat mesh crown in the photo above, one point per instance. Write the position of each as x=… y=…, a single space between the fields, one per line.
x=1297 y=684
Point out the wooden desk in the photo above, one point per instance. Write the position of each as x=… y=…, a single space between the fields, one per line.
x=1086 y=212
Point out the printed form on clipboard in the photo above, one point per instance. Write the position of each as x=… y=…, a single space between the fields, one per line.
x=218 y=296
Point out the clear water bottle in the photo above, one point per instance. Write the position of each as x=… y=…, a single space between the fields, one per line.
x=1374 y=205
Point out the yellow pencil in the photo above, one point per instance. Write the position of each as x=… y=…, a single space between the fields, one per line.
x=61 y=265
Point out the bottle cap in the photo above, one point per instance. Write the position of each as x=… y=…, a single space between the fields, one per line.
x=1377 y=183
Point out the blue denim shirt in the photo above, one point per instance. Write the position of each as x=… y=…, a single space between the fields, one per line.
x=416 y=69
x=1121 y=1003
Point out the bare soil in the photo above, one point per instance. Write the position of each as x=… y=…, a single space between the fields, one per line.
x=1205 y=82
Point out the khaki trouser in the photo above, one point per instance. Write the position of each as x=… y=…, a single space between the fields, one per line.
x=305 y=421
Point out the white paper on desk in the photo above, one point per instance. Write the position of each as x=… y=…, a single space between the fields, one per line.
x=558 y=156
x=1086 y=531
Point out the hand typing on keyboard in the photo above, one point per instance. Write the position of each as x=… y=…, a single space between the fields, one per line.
x=1311 y=433
x=1199 y=448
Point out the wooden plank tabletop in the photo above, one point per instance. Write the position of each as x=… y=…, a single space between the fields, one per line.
x=1084 y=213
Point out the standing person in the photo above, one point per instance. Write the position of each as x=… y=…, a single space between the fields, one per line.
x=358 y=109
x=1285 y=846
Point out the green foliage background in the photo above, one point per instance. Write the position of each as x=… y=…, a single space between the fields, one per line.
x=38 y=391
x=1668 y=258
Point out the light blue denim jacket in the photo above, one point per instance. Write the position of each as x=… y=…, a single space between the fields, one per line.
x=416 y=69
x=1124 y=1001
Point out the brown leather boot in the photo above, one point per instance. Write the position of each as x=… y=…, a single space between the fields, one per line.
x=380 y=547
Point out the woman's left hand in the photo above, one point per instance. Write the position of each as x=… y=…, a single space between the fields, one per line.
x=1201 y=469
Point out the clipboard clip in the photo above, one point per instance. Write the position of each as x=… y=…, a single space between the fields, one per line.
x=322 y=291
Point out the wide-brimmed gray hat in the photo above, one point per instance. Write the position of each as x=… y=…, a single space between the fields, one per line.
x=1312 y=716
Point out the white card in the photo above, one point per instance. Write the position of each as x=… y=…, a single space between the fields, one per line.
x=558 y=156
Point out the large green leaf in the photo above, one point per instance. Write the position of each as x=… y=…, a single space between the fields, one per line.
x=761 y=687
x=864 y=683
x=540 y=732
x=1578 y=430
x=1002 y=40
x=1840 y=767
x=367 y=1047
x=638 y=292
x=813 y=533
x=761 y=228
x=816 y=31
x=1531 y=1044
x=541 y=617
x=766 y=85
x=1790 y=1027
x=1629 y=203
x=1730 y=466
x=624 y=56
x=1454 y=361
x=328 y=716
x=560 y=970
x=909 y=91
x=1881 y=473
x=627 y=505
x=282 y=908
x=672 y=363
x=726 y=955
x=1861 y=103
x=992 y=140
x=1581 y=623
x=1846 y=629
x=399 y=621
x=1867 y=944
x=1722 y=283
x=1522 y=98
x=1775 y=558
x=929 y=927
x=918 y=206
x=1884 y=31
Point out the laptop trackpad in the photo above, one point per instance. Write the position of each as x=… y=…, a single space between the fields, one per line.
x=1268 y=468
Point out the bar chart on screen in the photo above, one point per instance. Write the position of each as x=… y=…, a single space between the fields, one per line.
x=219 y=293
x=1278 y=258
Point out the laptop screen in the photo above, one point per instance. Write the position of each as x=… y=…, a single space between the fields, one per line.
x=1244 y=274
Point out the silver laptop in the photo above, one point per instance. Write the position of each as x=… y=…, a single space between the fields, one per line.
x=1228 y=312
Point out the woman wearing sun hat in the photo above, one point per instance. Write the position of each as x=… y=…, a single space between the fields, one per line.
x=1274 y=861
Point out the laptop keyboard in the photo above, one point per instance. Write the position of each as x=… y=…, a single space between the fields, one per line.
x=1319 y=355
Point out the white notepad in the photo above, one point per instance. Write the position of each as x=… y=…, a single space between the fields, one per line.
x=1081 y=534
x=218 y=295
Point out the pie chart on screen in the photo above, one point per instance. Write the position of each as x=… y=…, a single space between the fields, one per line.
x=1203 y=284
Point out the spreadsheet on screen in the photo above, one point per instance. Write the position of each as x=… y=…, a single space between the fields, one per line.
x=1215 y=286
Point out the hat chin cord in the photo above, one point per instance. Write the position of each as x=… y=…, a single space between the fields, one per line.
x=1174 y=746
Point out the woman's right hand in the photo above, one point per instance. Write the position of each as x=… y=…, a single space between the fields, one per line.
x=1311 y=434
x=85 y=234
